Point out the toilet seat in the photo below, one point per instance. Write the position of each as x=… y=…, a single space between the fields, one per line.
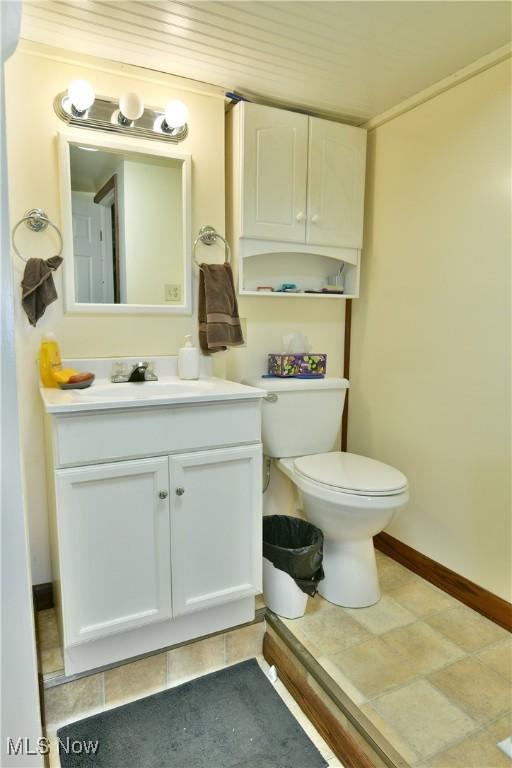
x=351 y=473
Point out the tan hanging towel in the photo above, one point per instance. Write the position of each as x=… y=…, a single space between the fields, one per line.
x=219 y=324
x=38 y=288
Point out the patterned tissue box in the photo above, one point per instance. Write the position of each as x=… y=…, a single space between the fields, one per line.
x=293 y=365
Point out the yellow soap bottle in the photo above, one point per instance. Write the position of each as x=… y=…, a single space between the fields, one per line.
x=49 y=360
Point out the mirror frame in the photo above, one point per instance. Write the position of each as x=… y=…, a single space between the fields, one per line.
x=126 y=145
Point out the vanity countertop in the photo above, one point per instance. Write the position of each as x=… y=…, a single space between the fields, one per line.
x=169 y=390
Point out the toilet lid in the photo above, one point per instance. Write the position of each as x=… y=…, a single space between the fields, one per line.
x=352 y=473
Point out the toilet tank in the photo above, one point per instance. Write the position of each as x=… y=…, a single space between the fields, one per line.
x=300 y=416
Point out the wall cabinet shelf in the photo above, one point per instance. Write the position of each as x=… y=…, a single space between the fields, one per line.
x=295 y=199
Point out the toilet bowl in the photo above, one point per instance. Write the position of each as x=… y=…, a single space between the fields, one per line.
x=349 y=497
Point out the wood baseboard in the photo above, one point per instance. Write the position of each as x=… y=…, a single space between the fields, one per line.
x=42 y=595
x=479 y=599
x=344 y=746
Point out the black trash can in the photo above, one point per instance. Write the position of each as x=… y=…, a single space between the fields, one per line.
x=292 y=564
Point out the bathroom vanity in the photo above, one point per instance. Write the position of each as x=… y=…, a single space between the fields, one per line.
x=155 y=499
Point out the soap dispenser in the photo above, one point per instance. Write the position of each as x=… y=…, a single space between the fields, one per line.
x=188 y=360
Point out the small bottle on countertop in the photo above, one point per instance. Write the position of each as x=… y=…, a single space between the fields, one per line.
x=49 y=360
x=188 y=360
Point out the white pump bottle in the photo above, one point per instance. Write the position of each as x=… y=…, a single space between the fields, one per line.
x=188 y=360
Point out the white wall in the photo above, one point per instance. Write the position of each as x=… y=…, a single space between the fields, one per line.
x=430 y=368
x=19 y=703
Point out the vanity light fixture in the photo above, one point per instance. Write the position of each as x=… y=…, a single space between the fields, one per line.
x=79 y=106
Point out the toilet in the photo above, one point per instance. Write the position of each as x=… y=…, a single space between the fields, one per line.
x=349 y=497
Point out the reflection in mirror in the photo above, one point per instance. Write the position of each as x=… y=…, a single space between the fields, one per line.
x=127 y=216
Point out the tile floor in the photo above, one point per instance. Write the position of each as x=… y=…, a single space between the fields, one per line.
x=431 y=674
x=95 y=693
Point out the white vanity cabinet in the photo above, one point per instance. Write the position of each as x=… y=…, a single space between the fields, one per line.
x=295 y=198
x=152 y=550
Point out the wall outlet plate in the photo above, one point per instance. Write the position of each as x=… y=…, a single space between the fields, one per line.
x=172 y=292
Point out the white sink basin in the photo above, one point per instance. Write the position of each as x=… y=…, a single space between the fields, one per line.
x=170 y=390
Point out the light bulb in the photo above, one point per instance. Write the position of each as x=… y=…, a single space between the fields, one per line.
x=81 y=95
x=131 y=106
x=176 y=114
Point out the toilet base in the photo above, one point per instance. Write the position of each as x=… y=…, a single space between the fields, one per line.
x=350 y=573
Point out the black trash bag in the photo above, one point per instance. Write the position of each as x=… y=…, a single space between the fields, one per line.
x=296 y=547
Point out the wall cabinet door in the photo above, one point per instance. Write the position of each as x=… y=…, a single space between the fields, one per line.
x=335 y=184
x=275 y=147
x=215 y=527
x=114 y=547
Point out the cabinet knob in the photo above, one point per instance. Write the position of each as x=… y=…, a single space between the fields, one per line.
x=180 y=491
x=315 y=218
x=163 y=495
x=300 y=216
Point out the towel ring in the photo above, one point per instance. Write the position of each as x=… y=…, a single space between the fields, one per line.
x=208 y=236
x=37 y=220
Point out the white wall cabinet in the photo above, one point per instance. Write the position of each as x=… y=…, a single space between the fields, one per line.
x=149 y=551
x=295 y=186
x=114 y=541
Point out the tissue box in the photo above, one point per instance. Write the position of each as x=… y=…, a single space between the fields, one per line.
x=295 y=364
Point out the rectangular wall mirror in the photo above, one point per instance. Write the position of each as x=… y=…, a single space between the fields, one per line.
x=126 y=225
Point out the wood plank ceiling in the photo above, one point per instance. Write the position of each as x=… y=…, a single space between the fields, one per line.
x=351 y=60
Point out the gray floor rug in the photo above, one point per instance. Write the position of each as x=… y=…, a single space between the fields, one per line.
x=226 y=719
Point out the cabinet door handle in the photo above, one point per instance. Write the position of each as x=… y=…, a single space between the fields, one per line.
x=163 y=495
x=180 y=491
x=300 y=216
x=315 y=218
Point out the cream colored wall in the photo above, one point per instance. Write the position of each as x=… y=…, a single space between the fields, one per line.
x=33 y=175
x=34 y=75
x=152 y=231
x=430 y=367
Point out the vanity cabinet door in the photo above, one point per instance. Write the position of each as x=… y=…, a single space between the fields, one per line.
x=337 y=156
x=113 y=522
x=274 y=157
x=216 y=511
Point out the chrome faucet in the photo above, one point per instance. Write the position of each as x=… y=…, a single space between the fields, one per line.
x=138 y=372
x=141 y=371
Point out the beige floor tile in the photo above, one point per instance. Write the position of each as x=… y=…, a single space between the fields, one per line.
x=135 y=680
x=329 y=631
x=383 y=616
x=499 y=658
x=47 y=629
x=421 y=598
x=424 y=717
x=423 y=647
x=373 y=667
x=478 y=750
x=389 y=733
x=500 y=728
x=341 y=679
x=195 y=659
x=259 y=602
x=51 y=660
x=73 y=701
x=391 y=574
x=244 y=643
x=475 y=688
x=467 y=628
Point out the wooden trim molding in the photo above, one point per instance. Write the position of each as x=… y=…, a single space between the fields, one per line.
x=479 y=599
x=329 y=727
x=346 y=372
x=42 y=596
